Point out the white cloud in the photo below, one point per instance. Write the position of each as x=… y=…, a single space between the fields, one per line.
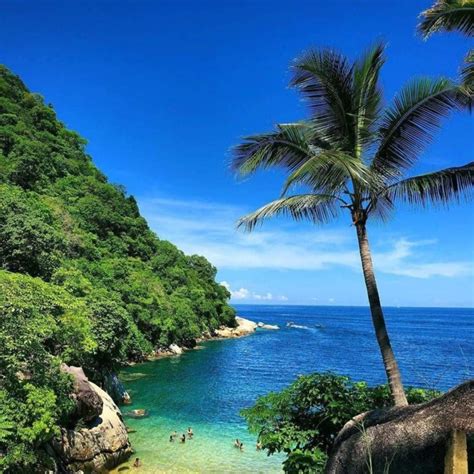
x=245 y=294
x=240 y=294
x=209 y=229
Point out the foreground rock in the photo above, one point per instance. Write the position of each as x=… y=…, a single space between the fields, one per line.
x=101 y=444
x=88 y=403
x=411 y=439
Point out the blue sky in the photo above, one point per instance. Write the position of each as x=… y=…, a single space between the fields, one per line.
x=162 y=90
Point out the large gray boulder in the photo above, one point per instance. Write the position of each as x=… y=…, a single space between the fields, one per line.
x=88 y=402
x=411 y=439
x=98 y=445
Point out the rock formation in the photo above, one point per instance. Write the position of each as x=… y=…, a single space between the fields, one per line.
x=97 y=443
x=114 y=387
x=244 y=328
x=411 y=439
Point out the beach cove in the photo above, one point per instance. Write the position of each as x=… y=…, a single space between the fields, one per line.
x=206 y=388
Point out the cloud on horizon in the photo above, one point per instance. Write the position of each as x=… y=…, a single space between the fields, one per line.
x=209 y=229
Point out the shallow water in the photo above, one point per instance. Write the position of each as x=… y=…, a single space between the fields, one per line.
x=206 y=389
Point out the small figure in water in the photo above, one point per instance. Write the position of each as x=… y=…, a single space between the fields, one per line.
x=137 y=463
x=259 y=446
x=171 y=438
x=190 y=433
x=183 y=438
x=241 y=447
x=237 y=443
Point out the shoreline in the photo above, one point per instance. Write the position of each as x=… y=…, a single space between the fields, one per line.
x=245 y=327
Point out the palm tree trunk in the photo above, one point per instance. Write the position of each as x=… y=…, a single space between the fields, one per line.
x=389 y=361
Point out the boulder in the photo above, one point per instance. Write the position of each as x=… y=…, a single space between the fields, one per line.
x=175 y=349
x=114 y=387
x=137 y=413
x=97 y=447
x=88 y=403
x=244 y=328
x=411 y=439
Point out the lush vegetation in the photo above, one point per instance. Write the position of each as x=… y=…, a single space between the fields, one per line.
x=352 y=154
x=303 y=420
x=84 y=281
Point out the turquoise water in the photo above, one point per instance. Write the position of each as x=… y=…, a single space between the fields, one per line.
x=206 y=388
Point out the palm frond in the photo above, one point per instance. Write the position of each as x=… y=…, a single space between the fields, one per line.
x=324 y=77
x=439 y=187
x=367 y=94
x=328 y=172
x=317 y=208
x=289 y=146
x=448 y=15
x=467 y=79
x=408 y=125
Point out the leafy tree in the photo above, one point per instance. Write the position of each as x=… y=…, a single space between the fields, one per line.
x=106 y=289
x=32 y=240
x=303 y=420
x=352 y=155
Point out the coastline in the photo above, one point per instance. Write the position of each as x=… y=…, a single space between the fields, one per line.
x=245 y=327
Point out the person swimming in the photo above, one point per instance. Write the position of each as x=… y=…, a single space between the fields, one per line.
x=183 y=438
x=137 y=463
x=237 y=443
x=190 y=433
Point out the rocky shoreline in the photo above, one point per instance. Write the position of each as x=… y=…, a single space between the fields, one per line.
x=244 y=327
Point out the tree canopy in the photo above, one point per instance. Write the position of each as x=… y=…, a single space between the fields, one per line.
x=83 y=279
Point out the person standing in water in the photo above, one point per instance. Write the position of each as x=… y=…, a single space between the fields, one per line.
x=183 y=438
x=190 y=433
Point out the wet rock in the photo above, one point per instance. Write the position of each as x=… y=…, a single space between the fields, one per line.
x=115 y=388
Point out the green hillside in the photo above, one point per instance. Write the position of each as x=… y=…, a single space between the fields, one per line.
x=83 y=281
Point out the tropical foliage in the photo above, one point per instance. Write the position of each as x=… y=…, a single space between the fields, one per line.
x=352 y=154
x=83 y=280
x=453 y=15
x=303 y=420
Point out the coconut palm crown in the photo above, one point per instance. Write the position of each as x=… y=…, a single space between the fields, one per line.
x=353 y=155
x=453 y=15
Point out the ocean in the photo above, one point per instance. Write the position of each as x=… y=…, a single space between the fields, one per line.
x=207 y=388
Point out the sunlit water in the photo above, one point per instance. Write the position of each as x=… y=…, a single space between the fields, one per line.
x=206 y=388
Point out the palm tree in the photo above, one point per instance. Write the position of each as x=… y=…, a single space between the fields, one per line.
x=351 y=155
x=453 y=15
x=448 y=15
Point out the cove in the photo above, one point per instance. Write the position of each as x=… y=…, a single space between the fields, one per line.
x=206 y=388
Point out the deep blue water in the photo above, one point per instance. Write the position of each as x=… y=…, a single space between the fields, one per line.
x=207 y=388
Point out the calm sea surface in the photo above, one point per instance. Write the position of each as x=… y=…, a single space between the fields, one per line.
x=207 y=388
